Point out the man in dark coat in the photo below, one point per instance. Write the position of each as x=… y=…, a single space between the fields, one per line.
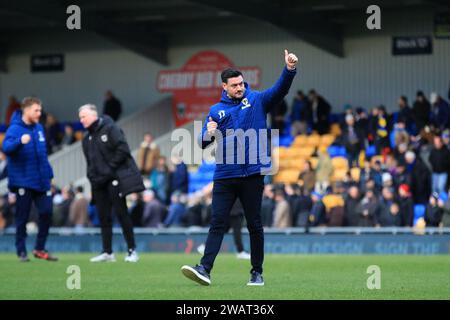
x=113 y=174
x=112 y=106
x=321 y=111
x=420 y=178
x=421 y=111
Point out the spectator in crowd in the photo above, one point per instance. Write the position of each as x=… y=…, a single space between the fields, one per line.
x=236 y=222
x=176 y=212
x=387 y=180
x=401 y=176
x=434 y=211
x=368 y=209
x=277 y=114
x=318 y=214
x=267 y=206
x=307 y=177
x=445 y=222
x=13 y=106
x=148 y=155
x=324 y=170
x=377 y=174
x=406 y=205
x=281 y=214
x=69 y=136
x=112 y=106
x=292 y=193
x=154 y=210
x=321 y=110
x=382 y=130
x=352 y=199
x=3 y=166
x=440 y=112
x=420 y=178
x=405 y=112
x=353 y=141
x=159 y=179
x=446 y=138
x=8 y=209
x=61 y=207
x=53 y=133
x=440 y=162
x=178 y=176
x=304 y=206
x=400 y=135
x=301 y=115
x=78 y=210
x=385 y=214
x=421 y=111
x=136 y=209
x=362 y=122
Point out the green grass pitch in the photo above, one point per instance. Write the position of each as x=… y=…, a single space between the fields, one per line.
x=291 y=277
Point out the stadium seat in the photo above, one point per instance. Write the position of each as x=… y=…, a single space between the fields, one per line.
x=336 y=151
x=300 y=140
x=335 y=129
x=78 y=135
x=314 y=161
x=286 y=176
x=371 y=151
x=419 y=212
x=339 y=163
x=332 y=200
x=2 y=137
x=327 y=140
x=355 y=173
x=313 y=141
x=339 y=175
x=305 y=152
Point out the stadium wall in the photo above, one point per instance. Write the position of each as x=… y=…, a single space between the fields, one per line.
x=368 y=75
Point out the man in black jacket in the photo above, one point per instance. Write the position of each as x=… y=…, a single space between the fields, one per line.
x=113 y=174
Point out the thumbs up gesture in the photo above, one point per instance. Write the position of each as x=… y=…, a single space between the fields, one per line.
x=291 y=60
x=211 y=126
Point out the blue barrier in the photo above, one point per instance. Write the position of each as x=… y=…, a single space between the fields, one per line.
x=280 y=243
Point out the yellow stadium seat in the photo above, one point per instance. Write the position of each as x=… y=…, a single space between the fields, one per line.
x=339 y=175
x=332 y=200
x=78 y=135
x=335 y=129
x=280 y=152
x=327 y=139
x=300 y=140
x=339 y=163
x=355 y=173
x=313 y=141
x=2 y=137
x=314 y=161
x=375 y=158
x=286 y=176
x=305 y=152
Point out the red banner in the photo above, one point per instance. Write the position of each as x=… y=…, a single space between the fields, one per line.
x=197 y=85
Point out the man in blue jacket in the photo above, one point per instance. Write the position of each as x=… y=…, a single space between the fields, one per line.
x=240 y=166
x=29 y=175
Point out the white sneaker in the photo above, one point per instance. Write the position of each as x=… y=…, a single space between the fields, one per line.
x=201 y=249
x=132 y=257
x=243 y=255
x=104 y=257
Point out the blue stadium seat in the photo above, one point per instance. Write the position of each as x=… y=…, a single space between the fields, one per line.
x=371 y=151
x=336 y=151
x=419 y=212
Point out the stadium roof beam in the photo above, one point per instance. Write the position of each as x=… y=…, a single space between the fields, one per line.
x=141 y=39
x=306 y=26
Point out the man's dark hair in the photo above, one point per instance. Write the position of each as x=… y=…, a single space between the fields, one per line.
x=230 y=73
x=29 y=101
x=80 y=189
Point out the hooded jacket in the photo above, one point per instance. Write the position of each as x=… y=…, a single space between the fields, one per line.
x=242 y=152
x=28 y=165
x=108 y=157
